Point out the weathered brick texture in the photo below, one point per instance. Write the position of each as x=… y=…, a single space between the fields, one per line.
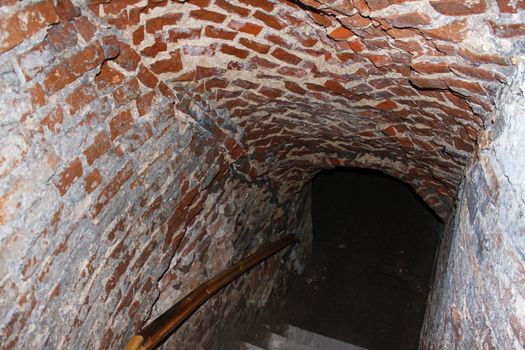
x=148 y=144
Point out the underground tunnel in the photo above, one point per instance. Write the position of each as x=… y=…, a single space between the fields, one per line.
x=373 y=250
x=149 y=145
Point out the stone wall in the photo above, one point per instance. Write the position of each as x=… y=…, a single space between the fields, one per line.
x=479 y=296
x=147 y=144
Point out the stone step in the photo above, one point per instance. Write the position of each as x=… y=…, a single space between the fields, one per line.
x=295 y=338
x=316 y=341
x=278 y=342
x=247 y=346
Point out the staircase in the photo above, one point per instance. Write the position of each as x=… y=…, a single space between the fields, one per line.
x=294 y=338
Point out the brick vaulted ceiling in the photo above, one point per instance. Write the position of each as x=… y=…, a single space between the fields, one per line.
x=397 y=85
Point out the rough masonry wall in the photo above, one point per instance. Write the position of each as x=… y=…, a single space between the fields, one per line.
x=146 y=144
x=106 y=182
x=479 y=297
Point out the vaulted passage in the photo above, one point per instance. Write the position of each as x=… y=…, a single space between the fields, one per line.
x=368 y=278
x=147 y=145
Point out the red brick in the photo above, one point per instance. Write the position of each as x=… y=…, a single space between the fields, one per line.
x=126 y=92
x=477 y=73
x=386 y=106
x=154 y=49
x=285 y=56
x=58 y=78
x=508 y=30
x=111 y=46
x=380 y=60
x=85 y=28
x=25 y=23
x=81 y=97
x=459 y=7
x=146 y=77
x=428 y=83
x=245 y=27
x=320 y=19
x=454 y=32
x=262 y=4
x=66 y=10
x=62 y=36
x=390 y=131
x=206 y=15
x=270 y=92
x=93 y=179
x=510 y=6
x=294 y=87
x=101 y=144
x=68 y=176
x=108 y=77
x=225 y=5
x=87 y=59
x=199 y=3
x=144 y=103
x=157 y=23
x=232 y=50
x=341 y=33
x=194 y=50
x=357 y=45
x=53 y=120
x=430 y=67
x=376 y=5
x=38 y=97
x=120 y=123
x=463 y=85
x=408 y=20
x=219 y=33
x=482 y=58
x=216 y=83
x=170 y=65
x=292 y=72
x=269 y=20
x=177 y=34
x=138 y=35
x=254 y=45
x=128 y=58
x=112 y=188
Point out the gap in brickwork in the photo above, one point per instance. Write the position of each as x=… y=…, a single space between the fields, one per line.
x=370 y=270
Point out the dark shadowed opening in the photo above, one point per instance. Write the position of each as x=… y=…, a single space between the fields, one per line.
x=368 y=277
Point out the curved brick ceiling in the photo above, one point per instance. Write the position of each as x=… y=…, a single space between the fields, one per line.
x=401 y=86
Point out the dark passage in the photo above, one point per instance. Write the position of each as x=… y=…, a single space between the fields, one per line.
x=373 y=252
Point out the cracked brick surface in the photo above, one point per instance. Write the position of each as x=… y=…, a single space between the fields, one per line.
x=148 y=144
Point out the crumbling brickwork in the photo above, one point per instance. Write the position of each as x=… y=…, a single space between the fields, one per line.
x=147 y=144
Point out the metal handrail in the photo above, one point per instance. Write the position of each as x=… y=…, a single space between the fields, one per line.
x=160 y=328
